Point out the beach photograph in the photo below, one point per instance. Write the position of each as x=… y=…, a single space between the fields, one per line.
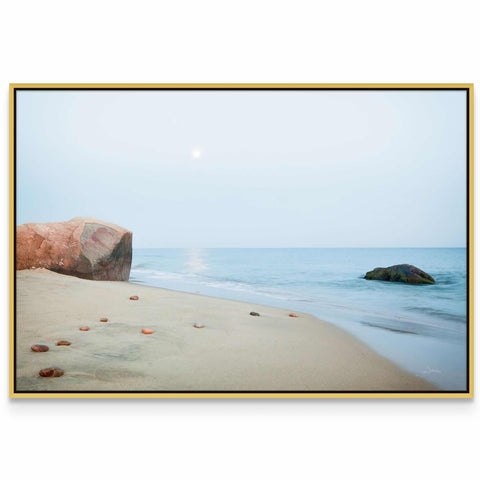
x=241 y=240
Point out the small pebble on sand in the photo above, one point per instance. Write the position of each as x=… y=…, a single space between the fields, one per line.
x=104 y=320
x=84 y=329
x=198 y=325
x=63 y=343
x=134 y=297
x=147 y=331
x=51 y=372
x=293 y=315
x=40 y=348
x=254 y=314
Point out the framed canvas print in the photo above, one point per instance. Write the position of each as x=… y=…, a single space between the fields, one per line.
x=241 y=240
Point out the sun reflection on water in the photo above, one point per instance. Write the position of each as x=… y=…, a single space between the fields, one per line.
x=196 y=261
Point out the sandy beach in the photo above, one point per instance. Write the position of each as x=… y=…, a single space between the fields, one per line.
x=233 y=352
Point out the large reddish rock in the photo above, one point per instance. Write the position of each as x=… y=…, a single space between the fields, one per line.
x=82 y=247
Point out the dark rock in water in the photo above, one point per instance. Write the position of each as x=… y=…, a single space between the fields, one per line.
x=51 y=372
x=82 y=247
x=400 y=273
x=254 y=314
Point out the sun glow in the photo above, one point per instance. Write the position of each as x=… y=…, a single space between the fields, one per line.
x=196 y=153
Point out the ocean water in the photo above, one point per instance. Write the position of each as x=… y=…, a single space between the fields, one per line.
x=423 y=328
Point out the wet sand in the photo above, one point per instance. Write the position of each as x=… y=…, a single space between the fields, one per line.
x=233 y=352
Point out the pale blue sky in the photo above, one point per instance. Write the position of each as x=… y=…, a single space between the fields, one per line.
x=248 y=168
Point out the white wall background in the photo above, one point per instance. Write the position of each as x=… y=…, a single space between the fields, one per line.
x=249 y=41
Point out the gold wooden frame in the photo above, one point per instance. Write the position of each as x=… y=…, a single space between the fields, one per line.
x=126 y=86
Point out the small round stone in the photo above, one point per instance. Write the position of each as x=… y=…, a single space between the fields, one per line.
x=51 y=372
x=254 y=314
x=104 y=320
x=147 y=331
x=63 y=343
x=84 y=329
x=198 y=325
x=40 y=348
x=134 y=297
x=293 y=315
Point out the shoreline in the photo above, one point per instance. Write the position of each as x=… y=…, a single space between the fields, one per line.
x=234 y=352
x=420 y=340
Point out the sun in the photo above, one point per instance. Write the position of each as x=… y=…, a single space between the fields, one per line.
x=196 y=153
